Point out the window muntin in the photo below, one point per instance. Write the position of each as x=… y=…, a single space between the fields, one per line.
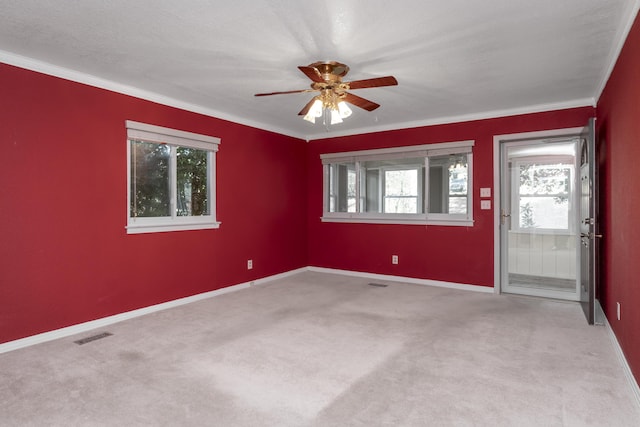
x=171 y=179
x=393 y=185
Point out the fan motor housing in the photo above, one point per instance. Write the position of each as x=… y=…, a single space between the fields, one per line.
x=331 y=71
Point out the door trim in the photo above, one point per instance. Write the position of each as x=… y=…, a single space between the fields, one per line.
x=497 y=139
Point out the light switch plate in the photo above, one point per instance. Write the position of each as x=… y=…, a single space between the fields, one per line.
x=485 y=204
x=485 y=192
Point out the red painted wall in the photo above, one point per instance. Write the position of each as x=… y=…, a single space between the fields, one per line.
x=619 y=133
x=445 y=253
x=65 y=257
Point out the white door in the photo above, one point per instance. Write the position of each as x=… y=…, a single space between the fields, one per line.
x=539 y=229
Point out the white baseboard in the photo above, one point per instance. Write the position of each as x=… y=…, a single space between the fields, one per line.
x=633 y=384
x=425 y=282
x=105 y=321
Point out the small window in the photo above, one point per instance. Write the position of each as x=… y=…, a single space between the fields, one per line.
x=171 y=179
x=427 y=184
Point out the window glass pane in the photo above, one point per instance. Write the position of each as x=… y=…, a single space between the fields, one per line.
x=351 y=189
x=342 y=187
x=457 y=205
x=448 y=184
x=400 y=205
x=150 y=193
x=544 y=196
x=393 y=186
x=401 y=191
x=370 y=189
x=545 y=179
x=192 y=182
x=543 y=212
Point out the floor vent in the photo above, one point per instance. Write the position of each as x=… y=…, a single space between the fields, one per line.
x=93 y=338
x=378 y=285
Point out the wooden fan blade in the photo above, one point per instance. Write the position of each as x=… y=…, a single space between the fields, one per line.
x=306 y=108
x=285 y=92
x=360 y=102
x=375 y=82
x=312 y=73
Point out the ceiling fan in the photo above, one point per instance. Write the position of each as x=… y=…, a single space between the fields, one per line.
x=326 y=78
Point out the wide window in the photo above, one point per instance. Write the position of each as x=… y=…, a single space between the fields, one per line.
x=171 y=179
x=427 y=184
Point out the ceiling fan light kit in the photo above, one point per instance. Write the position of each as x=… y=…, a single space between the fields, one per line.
x=330 y=107
x=331 y=103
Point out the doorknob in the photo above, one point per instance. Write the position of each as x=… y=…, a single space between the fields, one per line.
x=503 y=216
x=591 y=235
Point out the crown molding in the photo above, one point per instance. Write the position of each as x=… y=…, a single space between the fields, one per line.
x=483 y=115
x=91 y=80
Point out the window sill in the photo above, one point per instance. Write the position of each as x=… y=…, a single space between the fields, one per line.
x=398 y=221
x=161 y=228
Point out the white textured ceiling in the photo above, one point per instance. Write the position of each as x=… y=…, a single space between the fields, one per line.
x=454 y=59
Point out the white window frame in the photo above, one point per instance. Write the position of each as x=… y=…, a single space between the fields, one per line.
x=175 y=138
x=426 y=151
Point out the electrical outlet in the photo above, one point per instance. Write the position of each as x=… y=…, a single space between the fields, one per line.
x=249 y=264
x=394 y=259
x=618 y=310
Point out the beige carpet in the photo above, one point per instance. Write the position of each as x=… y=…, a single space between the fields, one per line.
x=320 y=349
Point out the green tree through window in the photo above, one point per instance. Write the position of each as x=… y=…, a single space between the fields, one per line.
x=171 y=179
x=192 y=183
x=150 y=190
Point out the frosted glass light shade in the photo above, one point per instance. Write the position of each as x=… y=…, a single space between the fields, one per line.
x=314 y=111
x=344 y=109
x=335 y=117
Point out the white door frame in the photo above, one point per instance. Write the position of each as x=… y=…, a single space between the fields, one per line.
x=497 y=183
